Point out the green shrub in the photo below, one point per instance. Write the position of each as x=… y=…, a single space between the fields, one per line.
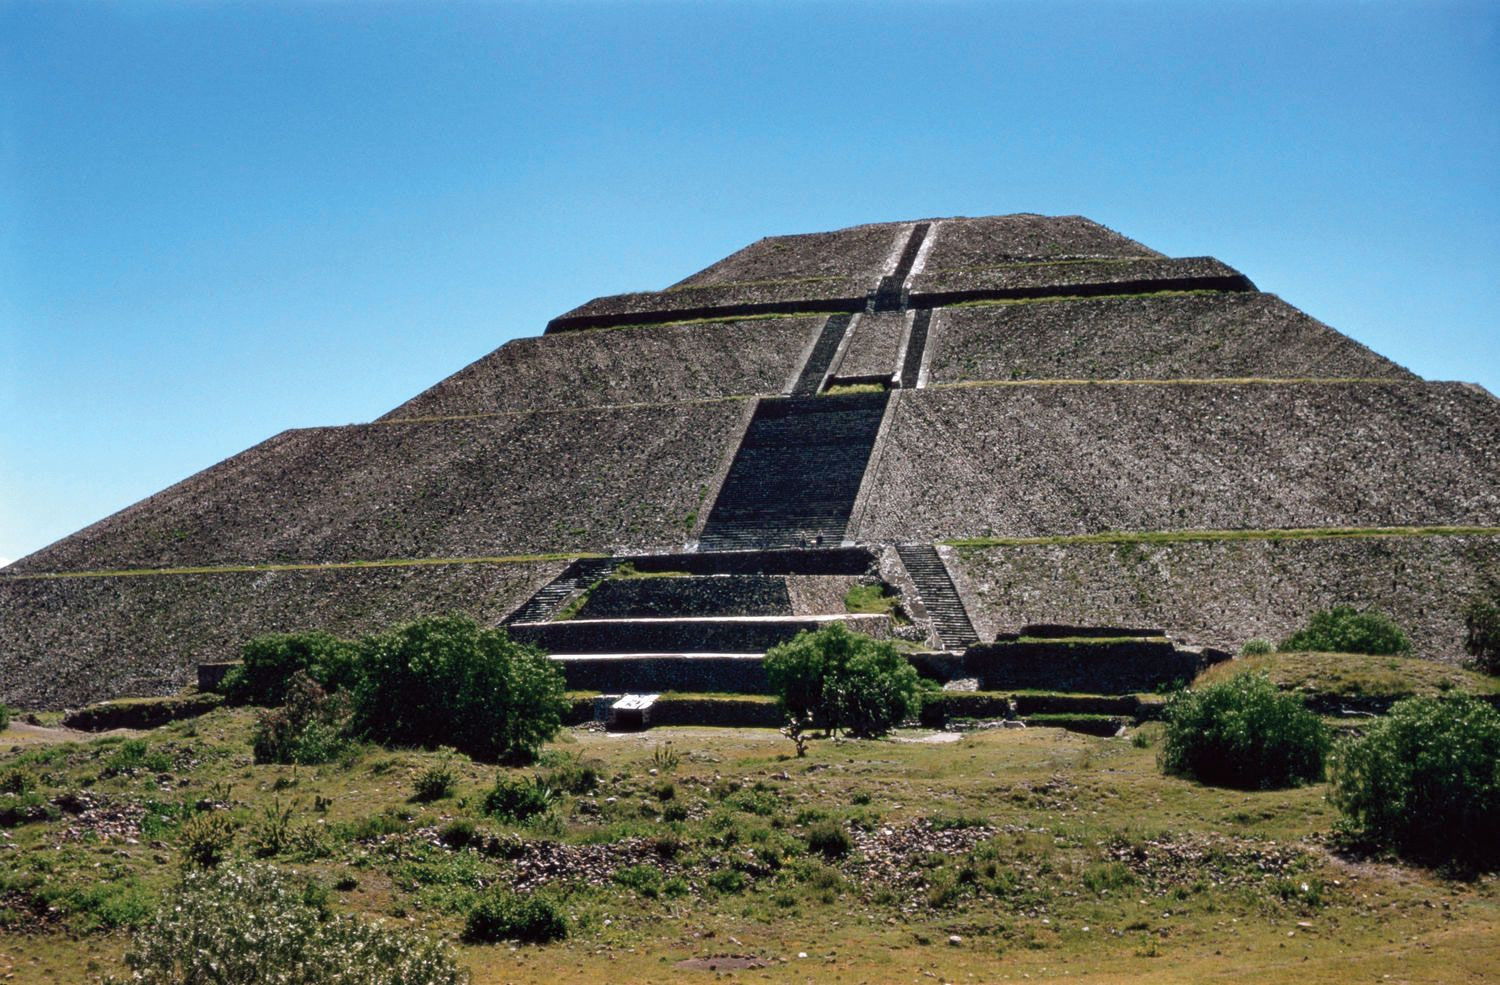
x=1257 y=647
x=829 y=839
x=135 y=755
x=206 y=839
x=840 y=681
x=1482 y=635
x=515 y=798
x=502 y=915
x=1345 y=629
x=727 y=881
x=1243 y=733
x=17 y=779
x=307 y=729
x=448 y=681
x=26 y=808
x=4 y=716
x=570 y=774
x=1425 y=782
x=437 y=782
x=643 y=879
x=270 y=661
x=252 y=924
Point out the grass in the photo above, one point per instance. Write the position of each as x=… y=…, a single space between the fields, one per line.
x=1194 y=536
x=1356 y=675
x=1045 y=851
x=845 y=389
x=870 y=599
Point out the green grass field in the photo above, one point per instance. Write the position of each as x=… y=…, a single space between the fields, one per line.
x=1048 y=856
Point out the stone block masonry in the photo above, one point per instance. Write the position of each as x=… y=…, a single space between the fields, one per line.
x=641 y=365
x=1052 y=460
x=69 y=641
x=1222 y=593
x=614 y=480
x=1152 y=338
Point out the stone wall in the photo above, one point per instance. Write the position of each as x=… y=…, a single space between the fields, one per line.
x=1097 y=668
x=683 y=635
x=1186 y=336
x=1224 y=593
x=718 y=674
x=597 y=480
x=646 y=364
x=729 y=595
x=1069 y=459
x=69 y=641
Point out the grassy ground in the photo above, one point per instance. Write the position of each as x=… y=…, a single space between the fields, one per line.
x=1357 y=675
x=1047 y=854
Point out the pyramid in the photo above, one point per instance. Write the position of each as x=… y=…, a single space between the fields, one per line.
x=1013 y=421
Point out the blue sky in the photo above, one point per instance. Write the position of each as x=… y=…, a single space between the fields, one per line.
x=218 y=221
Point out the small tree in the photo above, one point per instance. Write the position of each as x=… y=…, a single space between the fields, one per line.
x=446 y=681
x=1482 y=635
x=269 y=661
x=840 y=681
x=1243 y=733
x=308 y=728
x=1345 y=629
x=1425 y=782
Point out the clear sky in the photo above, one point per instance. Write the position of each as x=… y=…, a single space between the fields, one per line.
x=218 y=221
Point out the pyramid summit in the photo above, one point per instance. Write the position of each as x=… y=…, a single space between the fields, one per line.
x=1014 y=421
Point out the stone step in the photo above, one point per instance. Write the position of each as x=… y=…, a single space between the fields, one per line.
x=553 y=596
x=939 y=596
x=725 y=634
x=796 y=474
x=916 y=346
x=810 y=380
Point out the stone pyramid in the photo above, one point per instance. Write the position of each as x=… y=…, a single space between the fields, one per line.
x=1013 y=421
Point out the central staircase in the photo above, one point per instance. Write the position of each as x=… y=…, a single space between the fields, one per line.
x=797 y=473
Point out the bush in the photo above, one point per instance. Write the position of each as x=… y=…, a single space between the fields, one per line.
x=4 y=717
x=829 y=839
x=1424 y=782
x=1243 y=733
x=206 y=840
x=840 y=681
x=1482 y=635
x=270 y=661
x=1257 y=647
x=447 y=681
x=518 y=799
x=436 y=782
x=1345 y=629
x=308 y=729
x=502 y=915
x=252 y=924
